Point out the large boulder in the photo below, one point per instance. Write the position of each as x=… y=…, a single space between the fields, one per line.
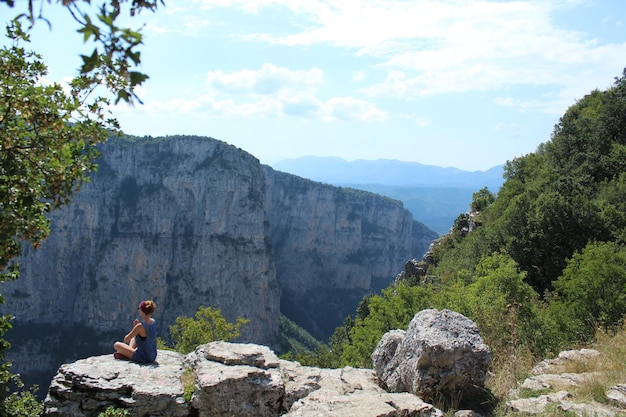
x=441 y=354
x=236 y=380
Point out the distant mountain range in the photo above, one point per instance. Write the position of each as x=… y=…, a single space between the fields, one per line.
x=434 y=195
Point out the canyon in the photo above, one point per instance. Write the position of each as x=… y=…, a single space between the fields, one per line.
x=192 y=221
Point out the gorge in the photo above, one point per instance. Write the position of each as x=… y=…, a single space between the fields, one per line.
x=190 y=222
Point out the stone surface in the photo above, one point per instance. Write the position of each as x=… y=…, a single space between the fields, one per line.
x=538 y=404
x=234 y=354
x=562 y=400
x=554 y=365
x=441 y=353
x=550 y=374
x=91 y=385
x=236 y=379
x=617 y=395
x=557 y=381
x=229 y=380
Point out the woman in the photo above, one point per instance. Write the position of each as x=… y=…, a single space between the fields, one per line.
x=140 y=343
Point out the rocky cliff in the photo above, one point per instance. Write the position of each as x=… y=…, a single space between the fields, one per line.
x=334 y=245
x=191 y=221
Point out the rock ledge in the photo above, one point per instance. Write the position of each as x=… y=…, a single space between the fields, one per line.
x=230 y=379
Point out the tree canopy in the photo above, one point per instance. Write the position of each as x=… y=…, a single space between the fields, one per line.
x=208 y=325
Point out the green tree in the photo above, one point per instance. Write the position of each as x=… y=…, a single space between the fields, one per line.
x=497 y=292
x=208 y=325
x=393 y=309
x=47 y=147
x=593 y=287
x=482 y=199
x=612 y=207
x=48 y=138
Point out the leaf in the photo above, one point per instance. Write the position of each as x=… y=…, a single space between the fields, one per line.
x=135 y=56
x=90 y=62
x=122 y=95
x=89 y=29
x=137 y=78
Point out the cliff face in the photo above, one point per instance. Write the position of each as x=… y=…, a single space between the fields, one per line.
x=334 y=245
x=182 y=221
x=191 y=221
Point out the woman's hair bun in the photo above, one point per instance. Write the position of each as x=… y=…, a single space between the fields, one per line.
x=147 y=306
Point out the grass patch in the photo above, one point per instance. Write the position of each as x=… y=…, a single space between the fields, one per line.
x=602 y=372
x=533 y=393
x=189 y=384
x=507 y=370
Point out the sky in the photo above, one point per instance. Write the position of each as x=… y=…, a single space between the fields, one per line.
x=452 y=83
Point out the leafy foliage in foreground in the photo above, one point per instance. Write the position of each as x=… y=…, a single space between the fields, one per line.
x=48 y=140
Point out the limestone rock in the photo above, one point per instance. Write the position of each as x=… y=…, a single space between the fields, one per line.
x=562 y=401
x=617 y=395
x=550 y=374
x=384 y=359
x=236 y=380
x=467 y=413
x=333 y=246
x=350 y=392
x=230 y=379
x=234 y=354
x=557 y=381
x=441 y=353
x=89 y=386
x=548 y=366
x=299 y=381
x=536 y=405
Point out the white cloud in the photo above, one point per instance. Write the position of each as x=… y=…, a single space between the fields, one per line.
x=269 y=79
x=422 y=122
x=358 y=76
x=271 y=91
x=308 y=107
x=349 y=108
x=302 y=105
x=427 y=47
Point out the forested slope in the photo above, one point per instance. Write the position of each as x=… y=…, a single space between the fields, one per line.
x=544 y=266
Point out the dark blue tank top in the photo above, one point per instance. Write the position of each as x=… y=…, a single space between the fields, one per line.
x=146 y=347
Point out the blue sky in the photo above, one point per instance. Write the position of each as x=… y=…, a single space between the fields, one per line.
x=461 y=83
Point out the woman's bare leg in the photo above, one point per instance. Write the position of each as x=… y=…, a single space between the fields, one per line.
x=124 y=349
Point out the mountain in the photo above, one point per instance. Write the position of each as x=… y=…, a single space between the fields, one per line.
x=434 y=195
x=335 y=170
x=193 y=221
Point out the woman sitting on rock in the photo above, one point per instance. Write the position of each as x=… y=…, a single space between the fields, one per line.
x=140 y=343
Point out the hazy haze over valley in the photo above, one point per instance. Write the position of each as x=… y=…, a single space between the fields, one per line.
x=434 y=195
